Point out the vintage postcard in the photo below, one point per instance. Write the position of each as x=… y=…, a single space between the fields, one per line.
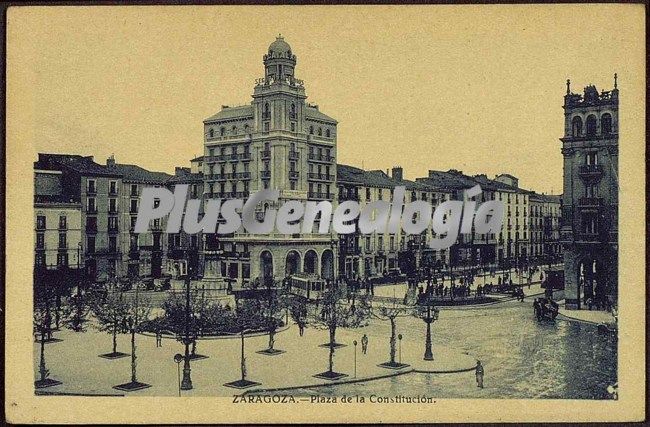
x=379 y=214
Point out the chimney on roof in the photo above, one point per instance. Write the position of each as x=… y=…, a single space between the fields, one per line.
x=110 y=162
x=398 y=173
x=455 y=171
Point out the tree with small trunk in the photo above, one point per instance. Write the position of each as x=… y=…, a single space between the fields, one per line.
x=78 y=307
x=110 y=309
x=137 y=311
x=274 y=299
x=390 y=312
x=43 y=296
x=247 y=319
x=297 y=306
x=332 y=311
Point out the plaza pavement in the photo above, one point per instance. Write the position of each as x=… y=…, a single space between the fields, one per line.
x=75 y=362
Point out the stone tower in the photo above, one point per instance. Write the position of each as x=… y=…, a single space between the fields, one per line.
x=589 y=230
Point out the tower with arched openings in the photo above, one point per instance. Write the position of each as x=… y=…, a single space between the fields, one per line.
x=589 y=229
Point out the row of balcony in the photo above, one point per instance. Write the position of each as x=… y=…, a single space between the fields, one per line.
x=234 y=157
x=228 y=195
x=321 y=158
x=321 y=176
x=317 y=195
x=225 y=176
x=93 y=191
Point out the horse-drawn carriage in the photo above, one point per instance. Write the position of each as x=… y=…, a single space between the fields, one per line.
x=545 y=308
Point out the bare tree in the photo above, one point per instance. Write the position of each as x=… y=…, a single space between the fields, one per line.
x=390 y=312
x=110 y=310
x=333 y=311
x=137 y=311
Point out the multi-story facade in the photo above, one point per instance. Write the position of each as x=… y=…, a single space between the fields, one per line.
x=278 y=141
x=544 y=224
x=88 y=184
x=96 y=205
x=139 y=254
x=58 y=223
x=363 y=256
x=184 y=251
x=589 y=229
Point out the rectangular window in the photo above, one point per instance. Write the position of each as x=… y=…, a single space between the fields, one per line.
x=134 y=206
x=592 y=158
x=40 y=241
x=62 y=241
x=63 y=222
x=112 y=243
x=90 y=244
x=112 y=223
x=40 y=222
x=91 y=186
x=91 y=205
x=62 y=259
x=133 y=221
x=112 y=205
x=134 y=189
x=367 y=194
x=113 y=187
x=40 y=259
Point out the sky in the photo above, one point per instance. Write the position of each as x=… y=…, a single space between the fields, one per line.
x=474 y=88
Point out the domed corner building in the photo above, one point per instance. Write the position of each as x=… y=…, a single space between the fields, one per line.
x=277 y=141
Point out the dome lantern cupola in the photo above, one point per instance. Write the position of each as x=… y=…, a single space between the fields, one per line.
x=279 y=62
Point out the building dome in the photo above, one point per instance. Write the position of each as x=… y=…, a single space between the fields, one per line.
x=279 y=47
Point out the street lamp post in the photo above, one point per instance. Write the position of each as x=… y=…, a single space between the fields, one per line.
x=186 y=384
x=429 y=313
x=355 y=357
x=178 y=358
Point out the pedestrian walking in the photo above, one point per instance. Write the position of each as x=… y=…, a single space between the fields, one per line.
x=158 y=338
x=479 y=374
x=364 y=344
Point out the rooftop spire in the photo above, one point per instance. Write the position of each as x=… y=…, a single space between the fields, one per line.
x=568 y=87
x=615 y=81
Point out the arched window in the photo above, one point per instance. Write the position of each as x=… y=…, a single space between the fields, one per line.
x=606 y=123
x=222 y=131
x=320 y=131
x=327 y=133
x=591 y=125
x=211 y=133
x=267 y=111
x=246 y=128
x=234 y=130
x=576 y=126
x=293 y=110
x=311 y=130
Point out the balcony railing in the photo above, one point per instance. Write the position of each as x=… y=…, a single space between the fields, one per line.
x=590 y=170
x=245 y=156
x=63 y=226
x=91 y=190
x=266 y=116
x=133 y=210
x=112 y=192
x=590 y=202
x=349 y=196
x=293 y=174
x=266 y=154
x=293 y=155
x=91 y=209
x=265 y=174
x=321 y=157
x=321 y=176
x=316 y=195
x=112 y=211
x=242 y=175
x=113 y=229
